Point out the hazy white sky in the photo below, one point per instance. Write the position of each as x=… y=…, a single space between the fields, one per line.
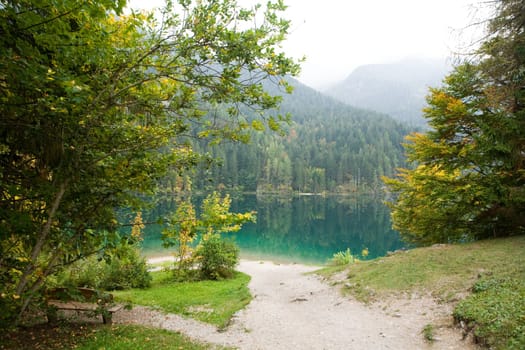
x=336 y=36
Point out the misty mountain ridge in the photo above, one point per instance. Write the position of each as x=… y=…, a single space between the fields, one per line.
x=306 y=104
x=397 y=89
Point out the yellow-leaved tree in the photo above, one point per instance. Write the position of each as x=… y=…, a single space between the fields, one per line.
x=468 y=175
x=213 y=257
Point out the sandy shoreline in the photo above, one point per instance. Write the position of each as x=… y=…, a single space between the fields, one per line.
x=160 y=259
x=292 y=309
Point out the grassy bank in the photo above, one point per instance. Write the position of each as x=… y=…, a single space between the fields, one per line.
x=96 y=336
x=209 y=301
x=491 y=273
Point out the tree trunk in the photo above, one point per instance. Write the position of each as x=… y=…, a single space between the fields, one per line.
x=37 y=249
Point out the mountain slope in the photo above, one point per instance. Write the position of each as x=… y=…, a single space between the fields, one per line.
x=397 y=89
x=329 y=146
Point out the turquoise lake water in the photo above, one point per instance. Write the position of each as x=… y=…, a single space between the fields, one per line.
x=302 y=229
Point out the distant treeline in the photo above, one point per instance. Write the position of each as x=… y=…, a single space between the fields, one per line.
x=329 y=147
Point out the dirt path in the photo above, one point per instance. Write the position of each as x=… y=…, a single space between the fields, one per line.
x=294 y=310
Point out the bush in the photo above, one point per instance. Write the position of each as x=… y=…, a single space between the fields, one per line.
x=87 y=272
x=185 y=274
x=10 y=305
x=343 y=258
x=217 y=257
x=126 y=269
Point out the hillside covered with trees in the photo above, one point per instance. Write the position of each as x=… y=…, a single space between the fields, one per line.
x=328 y=147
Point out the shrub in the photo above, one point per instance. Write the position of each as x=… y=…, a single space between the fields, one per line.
x=185 y=274
x=10 y=303
x=126 y=269
x=343 y=258
x=217 y=257
x=87 y=272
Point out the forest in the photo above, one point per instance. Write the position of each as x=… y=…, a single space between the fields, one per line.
x=328 y=147
x=102 y=109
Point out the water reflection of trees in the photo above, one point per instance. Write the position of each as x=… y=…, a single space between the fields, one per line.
x=317 y=227
x=306 y=228
x=274 y=217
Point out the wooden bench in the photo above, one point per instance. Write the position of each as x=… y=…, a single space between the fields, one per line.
x=81 y=299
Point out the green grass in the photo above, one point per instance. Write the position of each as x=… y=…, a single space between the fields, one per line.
x=138 y=338
x=428 y=332
x=93 y=336
x=446 y=270
x=496 y=313
x=494 y=270
x=209 y=301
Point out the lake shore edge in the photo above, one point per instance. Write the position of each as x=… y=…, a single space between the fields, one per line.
x=159 y=259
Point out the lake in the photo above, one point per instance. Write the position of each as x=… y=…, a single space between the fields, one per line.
x=302 y=229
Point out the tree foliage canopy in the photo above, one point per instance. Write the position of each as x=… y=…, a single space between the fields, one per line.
x=93 y=104
x=468 y=177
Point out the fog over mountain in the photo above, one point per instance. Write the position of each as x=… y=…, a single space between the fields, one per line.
x=398 y=89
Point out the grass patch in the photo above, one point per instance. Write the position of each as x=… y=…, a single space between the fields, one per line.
x=446 y=270
x=209 y=301
x=494 y=270
x=330 y=270
x=138 y=338
x=428 y=332
x=90 y=336
x=496 y=313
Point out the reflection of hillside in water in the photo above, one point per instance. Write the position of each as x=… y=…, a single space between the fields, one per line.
x=312 y=228
x=299 y=229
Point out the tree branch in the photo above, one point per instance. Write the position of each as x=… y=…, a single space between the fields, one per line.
x=37 y=249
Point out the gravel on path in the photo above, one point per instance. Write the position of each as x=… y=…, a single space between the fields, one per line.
x=293 y=309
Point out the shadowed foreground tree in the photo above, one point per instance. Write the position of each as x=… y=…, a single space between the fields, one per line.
x=469 y=178
x=93 y=107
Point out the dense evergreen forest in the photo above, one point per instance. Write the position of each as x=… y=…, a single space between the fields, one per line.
x=328 y=147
